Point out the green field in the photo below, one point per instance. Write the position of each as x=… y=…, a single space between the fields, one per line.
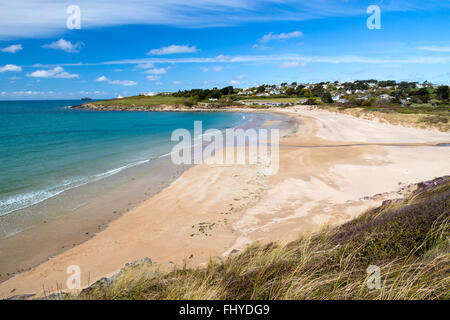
x=141 y=101
x=170 y=100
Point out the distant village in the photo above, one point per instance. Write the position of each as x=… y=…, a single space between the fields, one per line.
x=355 y=93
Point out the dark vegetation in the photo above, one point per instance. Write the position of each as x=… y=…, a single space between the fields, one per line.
x=204 y=94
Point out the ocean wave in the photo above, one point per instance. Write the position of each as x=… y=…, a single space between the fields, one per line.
x=29 y=199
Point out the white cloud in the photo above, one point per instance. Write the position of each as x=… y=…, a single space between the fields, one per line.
x=146 y=65
x=64 y=45
x=275 y=59
x=279 y=58
x=33 y=19
x=215 y=68
x=126 y=83
x=12 y=48
x=292 y=64
x=25 y=93
x=260 y=47
x=281 y=36
x=173 y=49
x=176 y=82
x=152 y=78
x=57 y=72
x=223 y=58
x=10 y=67
x=101 y=79
x=156 y=71
x=237 y=79
x=435 y=49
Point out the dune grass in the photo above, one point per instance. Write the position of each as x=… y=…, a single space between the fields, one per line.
x=436 y=119
x=407 y=239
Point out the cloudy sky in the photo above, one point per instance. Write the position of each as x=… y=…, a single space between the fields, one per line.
x=134 y=46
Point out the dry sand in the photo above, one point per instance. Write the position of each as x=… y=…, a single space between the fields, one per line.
x=333 y=168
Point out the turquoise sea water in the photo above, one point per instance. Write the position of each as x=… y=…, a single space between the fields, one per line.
x=47 y=148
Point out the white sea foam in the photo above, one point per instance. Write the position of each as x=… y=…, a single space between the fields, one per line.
x=28 y=199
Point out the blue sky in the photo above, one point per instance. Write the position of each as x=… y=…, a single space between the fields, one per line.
x=136 y=46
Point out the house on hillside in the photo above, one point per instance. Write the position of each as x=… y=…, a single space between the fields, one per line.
x=335 y=97
x=245 y=92
x=274 y=92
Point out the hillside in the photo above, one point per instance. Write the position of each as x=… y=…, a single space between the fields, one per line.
x=405 y=103
x=407 y=239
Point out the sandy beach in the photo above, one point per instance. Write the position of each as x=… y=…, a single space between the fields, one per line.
x=331 y=169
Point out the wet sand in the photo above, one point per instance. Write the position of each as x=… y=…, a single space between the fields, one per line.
x=51 y=228
x=331 y=170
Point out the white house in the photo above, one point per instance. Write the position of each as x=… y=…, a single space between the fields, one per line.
x=335 y=97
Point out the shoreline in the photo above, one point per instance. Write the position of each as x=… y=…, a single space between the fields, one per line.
x=314 y=187
x=29 y=247
x=50 y=228
x=401 y=120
